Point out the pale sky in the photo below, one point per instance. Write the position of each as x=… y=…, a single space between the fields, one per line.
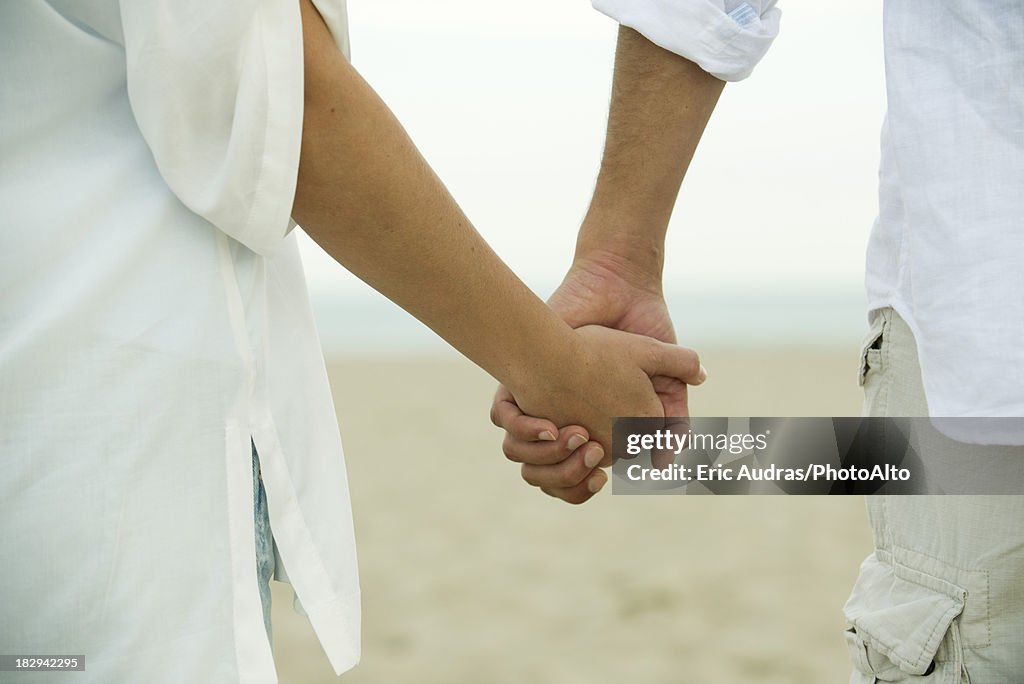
x=508 y=102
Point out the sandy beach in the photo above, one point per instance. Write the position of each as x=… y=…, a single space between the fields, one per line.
x=471 y=577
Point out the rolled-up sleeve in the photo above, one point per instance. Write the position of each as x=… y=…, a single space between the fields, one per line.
x=216 y=88
x=726 y=38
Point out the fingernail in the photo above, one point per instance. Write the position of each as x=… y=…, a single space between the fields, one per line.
x=593 y=456
x=703 y=375
x=595 y=484
x=547 y=436
x=575 y=442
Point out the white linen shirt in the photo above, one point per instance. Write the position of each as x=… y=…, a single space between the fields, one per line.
x=153 y=319
x=946 y=248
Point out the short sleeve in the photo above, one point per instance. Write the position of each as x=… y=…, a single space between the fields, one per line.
x=726 y=38
x=216 y=87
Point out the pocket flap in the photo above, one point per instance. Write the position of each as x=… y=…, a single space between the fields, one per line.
x=902 y=613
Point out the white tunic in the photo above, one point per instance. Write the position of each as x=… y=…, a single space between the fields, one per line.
x=946 y=249
x=153 y=318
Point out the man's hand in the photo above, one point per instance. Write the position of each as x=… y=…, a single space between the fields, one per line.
x=602 y=290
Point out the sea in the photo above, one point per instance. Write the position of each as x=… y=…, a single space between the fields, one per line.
x=366 y=324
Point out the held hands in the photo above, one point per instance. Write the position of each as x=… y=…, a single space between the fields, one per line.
x=604 y=291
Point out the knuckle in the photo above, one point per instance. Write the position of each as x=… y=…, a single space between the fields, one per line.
x=550 y=457
x=574 y=472
x=508 y=448
x=694 y=364
x=569 y=496
x=562 y=480
x=576 y=497
x=650 y=352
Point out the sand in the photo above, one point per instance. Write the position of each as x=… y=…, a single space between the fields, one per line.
x=471 y=577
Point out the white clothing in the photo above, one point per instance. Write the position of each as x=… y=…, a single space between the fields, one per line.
x=726 y=38
x=154 y=317
x=945 y=251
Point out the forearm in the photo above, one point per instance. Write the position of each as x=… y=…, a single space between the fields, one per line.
x=660 y=105
x=371 y=201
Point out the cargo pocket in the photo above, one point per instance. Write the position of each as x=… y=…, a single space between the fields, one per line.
x=872 y=374
x=871 y=346
x=903 y=625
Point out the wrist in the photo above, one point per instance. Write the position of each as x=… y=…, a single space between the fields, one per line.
x=625 y=246
x=638 y=266
x=544 y=364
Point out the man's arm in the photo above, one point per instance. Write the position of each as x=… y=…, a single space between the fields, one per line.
x=370 y=200
x=660 y=106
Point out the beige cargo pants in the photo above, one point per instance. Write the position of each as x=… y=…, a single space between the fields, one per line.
x=941 y=599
